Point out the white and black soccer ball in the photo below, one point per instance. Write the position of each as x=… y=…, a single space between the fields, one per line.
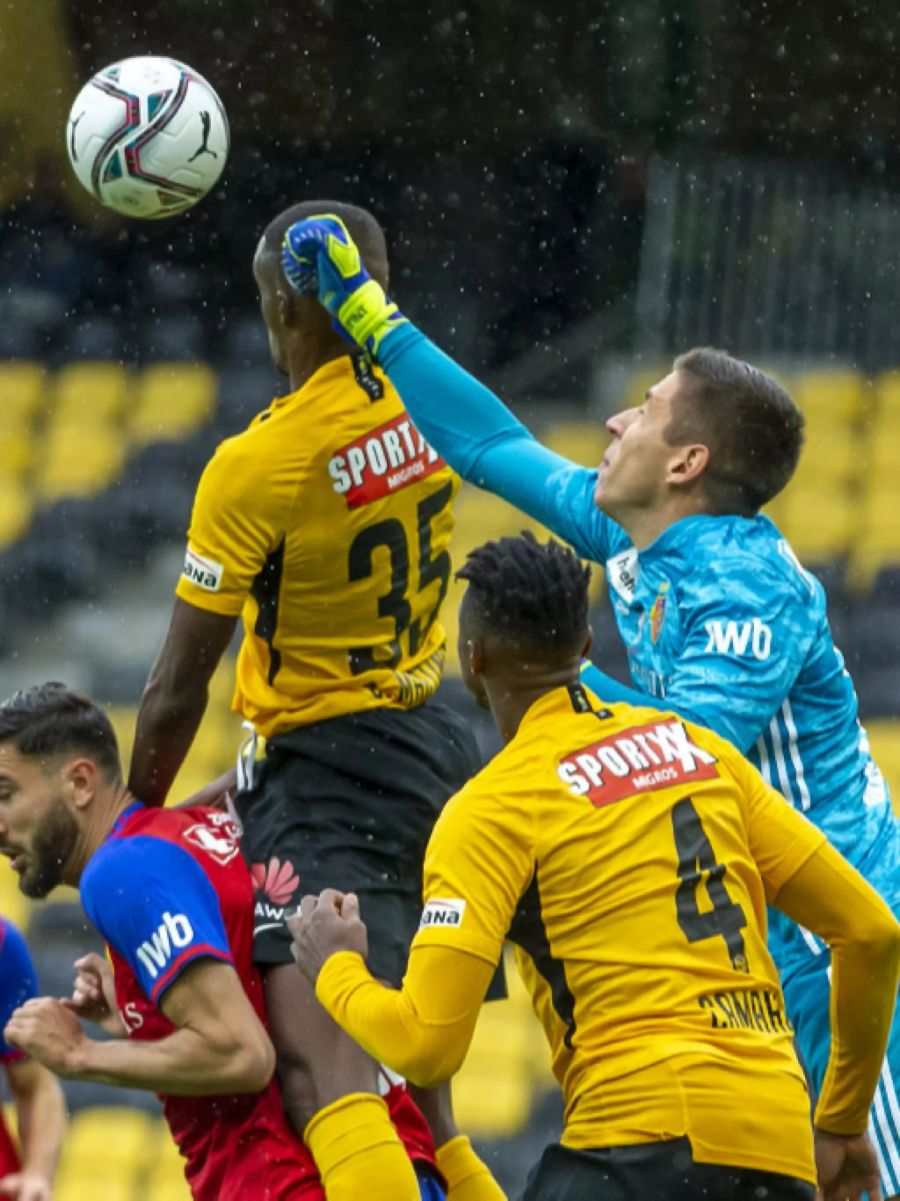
x=147 y=136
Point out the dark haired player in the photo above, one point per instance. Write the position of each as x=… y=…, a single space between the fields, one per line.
x=173 y=898
x=326 y=527
x=720 y=621
x=629 y=856
x=37 y=1098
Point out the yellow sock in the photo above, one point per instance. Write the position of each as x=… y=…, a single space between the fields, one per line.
x=468 y=1178
x=358 y=1152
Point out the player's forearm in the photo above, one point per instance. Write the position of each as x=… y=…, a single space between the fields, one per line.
x=830 y=898
x=478 y=435
x=168 y=719
x=425 y=1047
x=185 y=1063
x=41 y=1117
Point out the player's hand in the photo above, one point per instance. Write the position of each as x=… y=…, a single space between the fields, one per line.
x=325 y=925
x=26 y=1186
x=94 y=995
x=847 y=1167
x=49 y=1032
x=321 y=260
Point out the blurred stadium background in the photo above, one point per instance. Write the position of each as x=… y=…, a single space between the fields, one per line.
x=572 y=193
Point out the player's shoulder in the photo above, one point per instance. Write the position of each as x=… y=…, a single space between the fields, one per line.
x=749 y=555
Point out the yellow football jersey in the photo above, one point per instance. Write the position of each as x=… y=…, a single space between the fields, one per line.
x=327 y=525
x=629 y=856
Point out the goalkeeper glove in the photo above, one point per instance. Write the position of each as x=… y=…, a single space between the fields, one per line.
x=320 y=259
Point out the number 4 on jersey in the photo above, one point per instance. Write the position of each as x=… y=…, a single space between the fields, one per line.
x=695 y=857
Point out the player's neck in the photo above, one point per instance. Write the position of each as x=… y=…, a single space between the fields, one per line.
x=97 y=821
x=306 y=357
x=511 y=697
x=643 y=526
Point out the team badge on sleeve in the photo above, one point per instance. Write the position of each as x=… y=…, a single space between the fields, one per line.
x=205 y=573
x=443 y=911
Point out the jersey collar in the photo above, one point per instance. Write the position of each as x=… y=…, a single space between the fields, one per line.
x=568 y=699
x=118 y=826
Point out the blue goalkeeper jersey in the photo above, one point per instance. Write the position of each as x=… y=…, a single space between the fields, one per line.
x=721 y=622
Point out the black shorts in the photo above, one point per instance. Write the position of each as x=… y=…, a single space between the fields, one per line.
x=350 y=804
x=663 y=1171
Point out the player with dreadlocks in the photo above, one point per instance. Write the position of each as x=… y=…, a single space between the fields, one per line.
x=628 y=855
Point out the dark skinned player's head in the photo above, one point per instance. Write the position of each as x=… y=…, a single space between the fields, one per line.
x=525 y=612
x=289 y=316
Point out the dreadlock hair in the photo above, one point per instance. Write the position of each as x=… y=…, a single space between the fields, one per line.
x=530 y=594
x=51 y=719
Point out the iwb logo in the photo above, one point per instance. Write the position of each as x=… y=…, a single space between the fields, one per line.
x=171 y=934
x=739 y=637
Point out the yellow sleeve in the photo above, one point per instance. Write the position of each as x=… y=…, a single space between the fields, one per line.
x=422 y=1030
x=239 y=518
x=832 y=899
x=479 y=861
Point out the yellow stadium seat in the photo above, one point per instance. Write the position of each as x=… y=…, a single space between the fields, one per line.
x=106 y=1153
x=837 y=396
x=877 y=540
x=16 y=450
x=14 y=905
x=830 y=456
x=21 y=386
x=90 y=392
x=881 y=452
x=16 y=505
x=171 y=401
x=887 y=397
x=583 y=442
x=640 y=382
x=819 y=522
x=79 y=461
x=165 y=1180
x=884 y=738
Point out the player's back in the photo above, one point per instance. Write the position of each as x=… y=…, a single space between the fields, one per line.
x=642 y=935
x=335 y=516
x=233 y=1144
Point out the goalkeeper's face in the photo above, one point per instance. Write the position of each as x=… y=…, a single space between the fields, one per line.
x=637 y=469
x=38 y=830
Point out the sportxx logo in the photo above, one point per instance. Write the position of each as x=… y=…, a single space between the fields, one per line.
x=641 y=759
x=172 y=933
x=739 y=638
x=381 y=462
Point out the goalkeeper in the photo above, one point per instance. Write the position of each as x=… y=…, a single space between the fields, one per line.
x=717 y=615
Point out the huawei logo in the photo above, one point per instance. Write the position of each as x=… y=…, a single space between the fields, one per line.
x=277 y=880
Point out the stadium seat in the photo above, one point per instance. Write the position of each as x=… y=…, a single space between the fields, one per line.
x=884 y=739
x=837 y=397
x=165 y=1181
x=818 y=521
x=14 y=905
x=171 y=401
x=877 y=540
x=583 y=442
x=887 y=397
x=92 y=392
x=16 y=450
x=21 y=387
x=16 y=506
x=78 y=461
x=107 y=1153
x=831 y=456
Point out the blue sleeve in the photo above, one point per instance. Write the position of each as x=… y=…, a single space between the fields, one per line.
x=615 y=693
x=481 y=439
x=156 y=907
x=742 y=652
x=18 y=983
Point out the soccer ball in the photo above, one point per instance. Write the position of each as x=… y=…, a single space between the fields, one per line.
x=147 y=136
